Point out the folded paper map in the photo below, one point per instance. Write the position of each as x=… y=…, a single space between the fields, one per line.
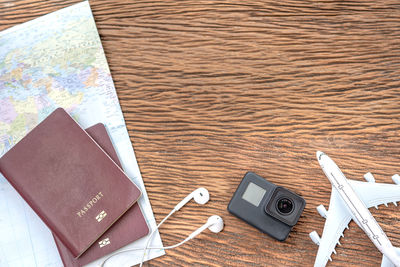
x=57 y=60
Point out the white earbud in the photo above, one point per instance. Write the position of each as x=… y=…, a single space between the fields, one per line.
x=215 y=224
x=200 y=195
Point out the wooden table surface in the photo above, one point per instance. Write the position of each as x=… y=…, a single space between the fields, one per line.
x=213 y=89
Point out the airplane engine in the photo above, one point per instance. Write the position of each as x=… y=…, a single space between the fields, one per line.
x=396 y=179
x=315 y=237
x=369 y=177
x=322 y=211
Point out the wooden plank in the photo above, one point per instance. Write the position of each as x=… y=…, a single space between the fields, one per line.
x=212 y=89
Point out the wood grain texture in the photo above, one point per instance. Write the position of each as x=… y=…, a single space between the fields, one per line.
x=212 y=89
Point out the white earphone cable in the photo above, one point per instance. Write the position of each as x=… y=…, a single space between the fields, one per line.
x=135 y=249
x=151 y=235
x=200 y=195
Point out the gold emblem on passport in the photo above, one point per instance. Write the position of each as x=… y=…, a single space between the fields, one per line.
x=101 y=216
x=104 y=242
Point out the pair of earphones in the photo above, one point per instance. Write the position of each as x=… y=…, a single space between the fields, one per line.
x=201 y=196
x=214 y=223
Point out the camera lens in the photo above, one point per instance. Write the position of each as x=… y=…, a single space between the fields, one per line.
x=284 y=206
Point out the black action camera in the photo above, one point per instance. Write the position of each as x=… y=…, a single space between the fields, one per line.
x=272 y=209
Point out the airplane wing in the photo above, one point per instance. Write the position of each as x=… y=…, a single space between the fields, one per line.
x=337 y=219
x=374 y=194
x=386 y=262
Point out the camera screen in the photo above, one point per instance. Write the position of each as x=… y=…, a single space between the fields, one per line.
x=254 y=194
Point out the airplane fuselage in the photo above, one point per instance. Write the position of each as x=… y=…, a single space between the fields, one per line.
x=360 y=213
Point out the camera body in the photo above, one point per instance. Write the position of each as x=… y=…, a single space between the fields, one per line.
x=272 y=209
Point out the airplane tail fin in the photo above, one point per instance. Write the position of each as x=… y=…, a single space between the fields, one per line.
x=386 y=262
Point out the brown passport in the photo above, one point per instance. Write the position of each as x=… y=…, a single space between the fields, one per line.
x=69 y=181
x=130 y=227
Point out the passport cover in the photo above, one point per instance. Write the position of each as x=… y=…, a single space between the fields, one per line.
x=69 y=181
x=130 y=227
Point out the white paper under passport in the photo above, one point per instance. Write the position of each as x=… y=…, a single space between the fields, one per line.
x=56 y=61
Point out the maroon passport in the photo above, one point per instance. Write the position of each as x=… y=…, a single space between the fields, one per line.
x=69 y=181
x=130 y=227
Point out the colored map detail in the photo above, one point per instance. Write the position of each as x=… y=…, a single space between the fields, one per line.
x=40 y=70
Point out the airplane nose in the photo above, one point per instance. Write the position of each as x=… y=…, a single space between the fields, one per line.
x=319 y=155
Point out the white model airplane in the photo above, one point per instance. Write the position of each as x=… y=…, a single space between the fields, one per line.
x=350 y=200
